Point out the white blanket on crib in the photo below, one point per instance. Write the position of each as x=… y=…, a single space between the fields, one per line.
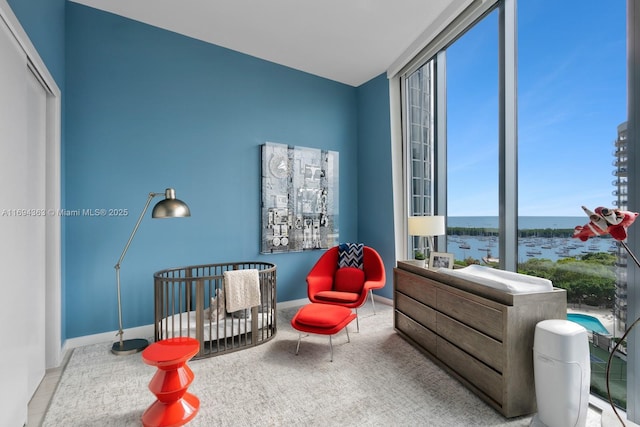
x=242 y=289
x=508 y=281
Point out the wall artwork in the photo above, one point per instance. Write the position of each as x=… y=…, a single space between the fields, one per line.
x=299 y=198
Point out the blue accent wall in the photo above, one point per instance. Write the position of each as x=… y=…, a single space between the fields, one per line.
x=145 y=109
x=149 y=109
x=375 y=185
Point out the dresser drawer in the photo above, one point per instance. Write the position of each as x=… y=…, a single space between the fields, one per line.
x=415 y=287
x=417 y=311
x=471 y=341
x=421 y=335
x=480 y=375
x=479 y=316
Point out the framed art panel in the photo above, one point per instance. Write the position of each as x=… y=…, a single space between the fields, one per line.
x=299 y=198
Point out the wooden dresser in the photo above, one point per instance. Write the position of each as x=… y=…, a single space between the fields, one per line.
x=481 y=335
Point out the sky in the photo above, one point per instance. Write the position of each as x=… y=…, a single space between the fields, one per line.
x=571 y=99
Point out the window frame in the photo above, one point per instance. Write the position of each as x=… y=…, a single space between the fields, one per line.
x=435 y=50
x=435 y=47
x=633 y=139
x=427 y=162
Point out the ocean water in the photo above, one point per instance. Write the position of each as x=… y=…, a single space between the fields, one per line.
x=535 y=247
x=524 y=222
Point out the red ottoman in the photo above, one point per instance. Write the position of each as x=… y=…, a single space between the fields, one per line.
x=323 y=319
x=174 y=407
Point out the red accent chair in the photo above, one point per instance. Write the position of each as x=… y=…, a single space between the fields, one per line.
x=346 y=286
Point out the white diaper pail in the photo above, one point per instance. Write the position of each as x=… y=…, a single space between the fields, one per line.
x=562 y=373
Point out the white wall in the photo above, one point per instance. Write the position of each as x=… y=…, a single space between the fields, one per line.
x=13 y=250
x=30 y=254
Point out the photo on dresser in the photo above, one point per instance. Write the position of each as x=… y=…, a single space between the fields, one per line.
x=440 y=260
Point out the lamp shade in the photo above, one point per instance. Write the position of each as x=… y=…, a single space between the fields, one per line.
x=426 y=225
x=170 y=207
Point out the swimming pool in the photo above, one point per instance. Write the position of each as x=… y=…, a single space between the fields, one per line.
x=589 y=322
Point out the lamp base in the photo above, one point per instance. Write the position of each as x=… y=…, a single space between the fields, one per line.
x=129 y=346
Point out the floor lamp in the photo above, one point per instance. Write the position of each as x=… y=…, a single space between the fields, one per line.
x=426 y=226
x=170 y=207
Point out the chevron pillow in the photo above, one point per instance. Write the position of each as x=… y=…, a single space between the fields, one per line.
x=350 y=255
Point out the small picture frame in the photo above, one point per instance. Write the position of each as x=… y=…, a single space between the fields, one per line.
x=440 y=260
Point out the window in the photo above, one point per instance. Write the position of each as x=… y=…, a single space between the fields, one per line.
x=420 y=138
x=572 y=153
x=473 y=143
x=511 y=176
x=452 y=106
x=419 y=134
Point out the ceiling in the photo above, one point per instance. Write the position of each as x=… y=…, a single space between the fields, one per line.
x=349 y=41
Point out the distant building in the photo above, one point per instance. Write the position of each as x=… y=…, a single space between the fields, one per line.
x=621 y=202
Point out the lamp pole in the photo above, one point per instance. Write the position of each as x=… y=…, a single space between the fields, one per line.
x=134 y=345
x=167 y=208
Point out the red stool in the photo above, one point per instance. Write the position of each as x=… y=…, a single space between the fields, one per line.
x=174 y=407
x=323 y=319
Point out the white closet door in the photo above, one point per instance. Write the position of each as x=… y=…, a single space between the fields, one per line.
x=15 y=290
x=36 y=238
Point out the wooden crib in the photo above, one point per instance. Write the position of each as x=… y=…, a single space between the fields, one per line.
x=183 y=298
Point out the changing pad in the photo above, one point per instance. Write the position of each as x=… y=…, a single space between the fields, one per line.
x=507 y=281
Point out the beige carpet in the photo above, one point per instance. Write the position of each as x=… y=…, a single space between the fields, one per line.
x=377 y=379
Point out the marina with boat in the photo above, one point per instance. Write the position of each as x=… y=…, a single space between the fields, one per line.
x=481 y=241
x=486 y=248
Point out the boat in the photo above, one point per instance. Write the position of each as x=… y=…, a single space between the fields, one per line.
x=465 y=246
